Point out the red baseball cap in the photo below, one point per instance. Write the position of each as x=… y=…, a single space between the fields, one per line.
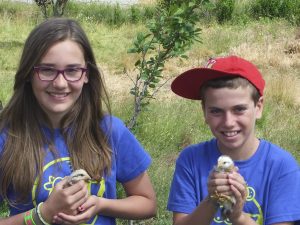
x=188 y=83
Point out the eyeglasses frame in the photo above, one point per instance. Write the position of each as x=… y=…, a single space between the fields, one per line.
x=62 y=72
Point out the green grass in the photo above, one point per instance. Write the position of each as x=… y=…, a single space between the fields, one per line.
x=171 y=123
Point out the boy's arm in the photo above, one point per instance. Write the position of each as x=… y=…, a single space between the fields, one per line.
x=202 y=215
x=205 y=213
x=245 y=219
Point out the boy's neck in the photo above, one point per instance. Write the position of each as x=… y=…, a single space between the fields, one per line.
x=241 y=154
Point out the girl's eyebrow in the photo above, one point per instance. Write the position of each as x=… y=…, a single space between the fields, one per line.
x=46 y=64
x=53 y=65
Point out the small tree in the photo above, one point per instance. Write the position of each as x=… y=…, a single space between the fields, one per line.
x=171 y=32
x=56 y=6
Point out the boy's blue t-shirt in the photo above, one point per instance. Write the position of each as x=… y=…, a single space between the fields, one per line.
x=272 y=176
x=129 y=161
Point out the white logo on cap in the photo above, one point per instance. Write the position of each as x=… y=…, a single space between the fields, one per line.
x=210 y=63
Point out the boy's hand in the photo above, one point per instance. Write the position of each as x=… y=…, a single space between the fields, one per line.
x=239 y=189
x=218 y=184
x=227 y=185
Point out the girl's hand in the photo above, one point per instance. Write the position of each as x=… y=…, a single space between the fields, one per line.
x=88 y=210
x=66 y=200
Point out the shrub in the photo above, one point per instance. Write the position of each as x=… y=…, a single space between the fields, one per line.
x=224 y=10
x=288 y=9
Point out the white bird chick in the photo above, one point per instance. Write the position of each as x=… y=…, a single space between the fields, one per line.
x=226 y=203
x=225 y=164
x=76 y=176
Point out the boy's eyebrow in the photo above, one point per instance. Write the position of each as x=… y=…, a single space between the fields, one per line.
x=213 y=107
x=239 y=105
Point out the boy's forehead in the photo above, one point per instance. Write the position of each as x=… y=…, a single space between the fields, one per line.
x=227 y=96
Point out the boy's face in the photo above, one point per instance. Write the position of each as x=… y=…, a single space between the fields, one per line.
x=231 y=116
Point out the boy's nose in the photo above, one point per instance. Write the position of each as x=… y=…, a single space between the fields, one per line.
x=229 y=119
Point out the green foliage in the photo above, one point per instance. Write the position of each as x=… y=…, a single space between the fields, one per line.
x=207 y=11
x=111 y=14
x=135 y=14
x=224 y=10
x=289 y=9
x=18 y=9
x=3 y=210
x=172 y=32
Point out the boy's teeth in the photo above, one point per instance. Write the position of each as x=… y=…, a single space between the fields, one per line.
x=230 y=134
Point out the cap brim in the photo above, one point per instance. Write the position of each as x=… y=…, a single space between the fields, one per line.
x=188 y=84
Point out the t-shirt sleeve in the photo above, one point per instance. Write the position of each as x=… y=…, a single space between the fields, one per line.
x=131 y=158
x=2 y=141
x=182 y=197
x=285 y=194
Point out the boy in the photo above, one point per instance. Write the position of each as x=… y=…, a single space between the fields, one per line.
x=266 y=180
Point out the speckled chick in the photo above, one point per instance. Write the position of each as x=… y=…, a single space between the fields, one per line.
x=76 y=176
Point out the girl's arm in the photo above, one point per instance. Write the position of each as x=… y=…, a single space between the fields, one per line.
x=140 y=203
x=13 y=220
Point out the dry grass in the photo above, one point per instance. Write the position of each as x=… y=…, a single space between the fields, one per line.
x=263 y=44
x=147 y=2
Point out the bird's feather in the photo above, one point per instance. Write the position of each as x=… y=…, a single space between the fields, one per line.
x=226 y=165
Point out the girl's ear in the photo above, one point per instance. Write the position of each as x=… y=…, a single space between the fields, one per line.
x=86 y=78
x=259 y=107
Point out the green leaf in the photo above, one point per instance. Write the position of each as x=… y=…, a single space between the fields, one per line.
x=137 y=63
x=184 y=56
x=133 y=50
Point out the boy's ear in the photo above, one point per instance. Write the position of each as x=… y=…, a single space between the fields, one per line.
x=259 y=107
x=203 y=110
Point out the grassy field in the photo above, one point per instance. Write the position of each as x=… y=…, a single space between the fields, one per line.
x=171 y=123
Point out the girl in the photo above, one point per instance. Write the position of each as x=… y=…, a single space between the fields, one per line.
x=55 y=124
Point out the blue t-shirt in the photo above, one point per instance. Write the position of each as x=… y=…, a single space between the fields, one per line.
x=272 y=176
x=129 y=161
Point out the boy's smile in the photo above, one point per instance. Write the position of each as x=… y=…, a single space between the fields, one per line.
x=231 y=116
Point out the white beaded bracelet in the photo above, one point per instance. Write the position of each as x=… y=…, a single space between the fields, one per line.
x=40 y=215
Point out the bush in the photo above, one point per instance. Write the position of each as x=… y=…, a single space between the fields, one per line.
x=224 y=10
x=288 y=9
x=111 y=14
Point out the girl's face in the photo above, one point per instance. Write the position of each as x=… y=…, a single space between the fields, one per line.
x=57 y=97
x=231 y=116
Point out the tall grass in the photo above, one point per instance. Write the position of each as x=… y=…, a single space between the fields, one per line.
x=231 y=11
x=171 y=123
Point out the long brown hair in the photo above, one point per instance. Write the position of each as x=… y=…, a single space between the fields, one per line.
x=21 y=119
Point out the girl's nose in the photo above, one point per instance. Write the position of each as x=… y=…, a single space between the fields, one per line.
x=60 y=81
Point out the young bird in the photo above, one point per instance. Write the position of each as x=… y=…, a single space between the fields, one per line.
x=76 y=176
x=225 y=165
